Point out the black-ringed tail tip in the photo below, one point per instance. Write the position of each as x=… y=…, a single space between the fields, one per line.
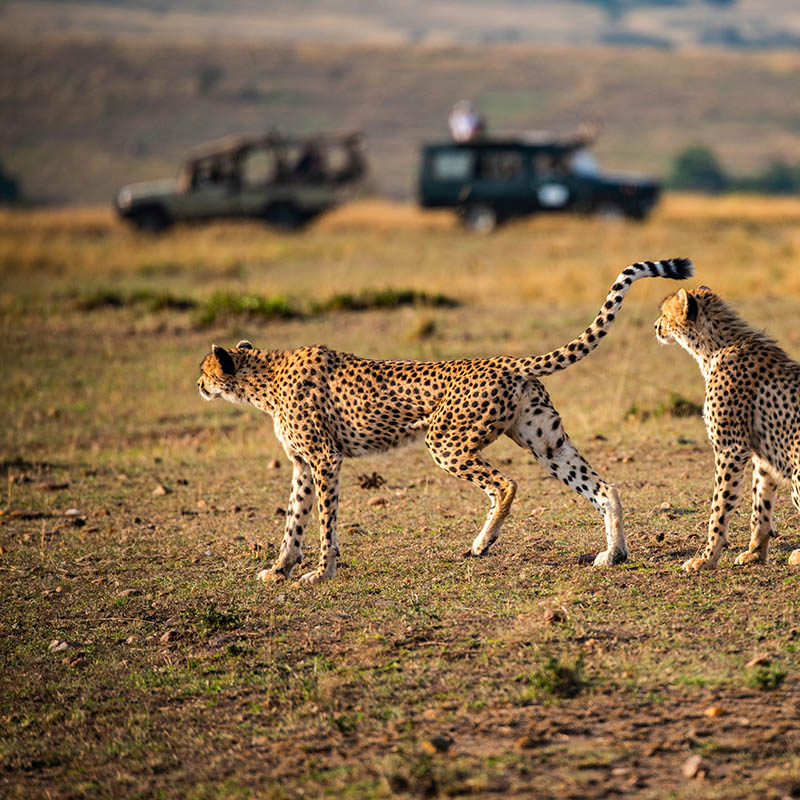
x=578 y=348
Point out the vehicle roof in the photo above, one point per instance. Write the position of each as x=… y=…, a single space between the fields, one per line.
x=516 y=143
x=238 y=145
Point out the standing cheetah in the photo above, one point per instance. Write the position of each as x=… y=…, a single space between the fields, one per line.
x=751 y=411
x=327 y=405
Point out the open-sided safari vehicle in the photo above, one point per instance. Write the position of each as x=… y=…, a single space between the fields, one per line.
x=286 y=181
x=490 y=180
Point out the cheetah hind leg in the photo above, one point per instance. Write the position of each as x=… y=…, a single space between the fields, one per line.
x=475 y=469
x=539 y=430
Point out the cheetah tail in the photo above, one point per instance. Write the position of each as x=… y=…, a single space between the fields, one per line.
x=555 y=360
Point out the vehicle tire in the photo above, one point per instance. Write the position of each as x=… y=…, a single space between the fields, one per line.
x=152 y=220
x=285 y=217
x=638 y=213
x=479 y=218
x=610 y=212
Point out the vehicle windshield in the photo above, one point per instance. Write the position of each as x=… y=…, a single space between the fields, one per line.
x=583 y=162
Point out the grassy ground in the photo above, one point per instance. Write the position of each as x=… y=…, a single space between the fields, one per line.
x=140 y=658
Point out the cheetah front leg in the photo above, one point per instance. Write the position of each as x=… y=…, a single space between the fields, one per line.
x=728 y=472
x=301 y=501
x=794 y=556
x=761 y=530
x=326 y=482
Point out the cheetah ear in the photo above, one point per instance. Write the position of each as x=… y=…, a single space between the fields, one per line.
x=223 y=357
x=244 y=345
x=688 y=305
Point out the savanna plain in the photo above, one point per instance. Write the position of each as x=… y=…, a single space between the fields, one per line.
x=140 y=656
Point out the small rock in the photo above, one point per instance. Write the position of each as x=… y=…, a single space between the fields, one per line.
x=695 y=767
x=714 y=711
x=60 y=645
x=220 y=641
x=72 y=512
x=377 y=501
x=760 y=660
x=525 y=743
x=552 y=616
x=437 y=744
x=169 y=636
x=160 y=490
x=794 y=558
x=129 y=592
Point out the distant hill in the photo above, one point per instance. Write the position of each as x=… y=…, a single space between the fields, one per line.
x=641 y=23
x=80 y=115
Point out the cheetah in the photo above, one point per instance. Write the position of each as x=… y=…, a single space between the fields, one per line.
x=327 y=405
x=751 y=412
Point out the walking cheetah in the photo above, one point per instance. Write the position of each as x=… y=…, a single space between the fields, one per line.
x=751 y=412
x=327 y=405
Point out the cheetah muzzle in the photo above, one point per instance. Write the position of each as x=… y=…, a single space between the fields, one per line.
x=327 y=405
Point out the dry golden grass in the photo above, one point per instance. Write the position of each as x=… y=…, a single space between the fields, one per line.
x=182 y=676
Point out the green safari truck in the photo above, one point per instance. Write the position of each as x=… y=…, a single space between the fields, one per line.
x=489 y=181
x=285 y=181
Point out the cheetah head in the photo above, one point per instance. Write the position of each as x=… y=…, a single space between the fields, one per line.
x=682 y=317
x=218 y=374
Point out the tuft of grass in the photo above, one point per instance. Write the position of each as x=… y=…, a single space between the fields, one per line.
x=559 y=679
x=766 y=678
x=374 y=299
x=225 y=303
x=215 y=620
x=146 y=298
x=425 y=328
x=675 y=406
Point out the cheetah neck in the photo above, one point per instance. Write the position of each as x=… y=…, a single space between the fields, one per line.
x=257 y=378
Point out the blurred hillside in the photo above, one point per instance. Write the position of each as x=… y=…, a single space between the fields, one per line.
x=659 y=23
x=79 y=116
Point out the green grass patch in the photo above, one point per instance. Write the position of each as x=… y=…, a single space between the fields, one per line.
x=148 y=299
x=676 y=406
x=766 y=679
x=224 y=303
x=372 y=299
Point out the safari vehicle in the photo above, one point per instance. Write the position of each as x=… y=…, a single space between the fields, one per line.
x=285 y=181
x=488 y=181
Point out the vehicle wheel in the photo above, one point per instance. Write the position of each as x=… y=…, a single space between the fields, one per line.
x=638 y=213
x=285 y=217
x=479 y=218
x=610 y=212
x=151 y=220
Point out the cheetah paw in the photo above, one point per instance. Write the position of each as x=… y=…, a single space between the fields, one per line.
x=271 y=575
x=608 y=558
x=314 y=577
x=748 y=558
x=698 y=563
